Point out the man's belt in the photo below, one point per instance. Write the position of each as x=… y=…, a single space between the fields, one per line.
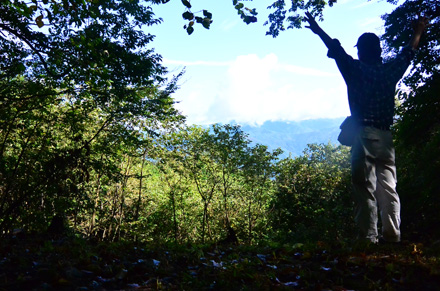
x=381 y=127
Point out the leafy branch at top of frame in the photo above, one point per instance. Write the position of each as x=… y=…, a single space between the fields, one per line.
x=205 y=20
x=204 y=17
x=284 y=14
x=281 y=14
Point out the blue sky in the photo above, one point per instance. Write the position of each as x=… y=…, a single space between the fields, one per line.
x=235 y=73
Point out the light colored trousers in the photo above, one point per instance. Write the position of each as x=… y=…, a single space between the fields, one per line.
x=374 y=181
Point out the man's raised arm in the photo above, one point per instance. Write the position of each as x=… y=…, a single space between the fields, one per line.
x=313 y=26
x=419 y=28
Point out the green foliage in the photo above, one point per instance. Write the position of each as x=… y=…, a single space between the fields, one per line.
x=287 y=13
x=418 y=141
x=313 y=196
x=217 y=180
x=249 y=15
x=417 y=131
x=398 y=25
x=205 y=21
x=88 y=131
x=73 y=96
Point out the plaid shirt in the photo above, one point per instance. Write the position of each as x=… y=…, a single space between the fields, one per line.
x=371 y=87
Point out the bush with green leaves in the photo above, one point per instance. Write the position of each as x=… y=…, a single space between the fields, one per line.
x=417 y=129
x=313 y=196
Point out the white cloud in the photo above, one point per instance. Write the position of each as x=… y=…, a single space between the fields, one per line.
x=253 y=90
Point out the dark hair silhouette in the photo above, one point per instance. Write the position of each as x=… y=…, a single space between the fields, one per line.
x=369 y=49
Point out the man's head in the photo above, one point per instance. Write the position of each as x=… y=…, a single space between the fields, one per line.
x=369 y=49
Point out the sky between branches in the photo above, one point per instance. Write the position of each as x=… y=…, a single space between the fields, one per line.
x=235 y=73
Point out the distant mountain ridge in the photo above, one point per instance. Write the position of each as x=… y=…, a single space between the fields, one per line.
x=292 y=137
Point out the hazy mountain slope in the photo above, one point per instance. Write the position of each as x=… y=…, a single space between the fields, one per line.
x=293 y=137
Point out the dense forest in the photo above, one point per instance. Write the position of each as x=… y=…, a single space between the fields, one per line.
x=91 y=145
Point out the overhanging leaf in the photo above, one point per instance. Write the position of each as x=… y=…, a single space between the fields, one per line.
x=188 y=15
x=207 y=14
x=39 y=21
x=186 y=3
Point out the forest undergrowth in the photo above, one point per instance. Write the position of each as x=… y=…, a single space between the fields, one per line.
x=41 y=262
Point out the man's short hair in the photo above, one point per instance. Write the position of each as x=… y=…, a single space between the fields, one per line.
x=369 y=46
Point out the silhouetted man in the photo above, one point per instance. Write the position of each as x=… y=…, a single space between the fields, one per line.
x=371 y=88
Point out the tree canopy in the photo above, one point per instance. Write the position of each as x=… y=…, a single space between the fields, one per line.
x=78 y=80
x=88 y=132
x=417 y=122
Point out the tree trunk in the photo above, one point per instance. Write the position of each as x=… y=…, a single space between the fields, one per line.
x=95 y=205
x=138 y=206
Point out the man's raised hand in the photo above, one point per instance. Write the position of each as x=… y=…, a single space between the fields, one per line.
x=313 y=25
x=419 y=27
x=420 y=24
